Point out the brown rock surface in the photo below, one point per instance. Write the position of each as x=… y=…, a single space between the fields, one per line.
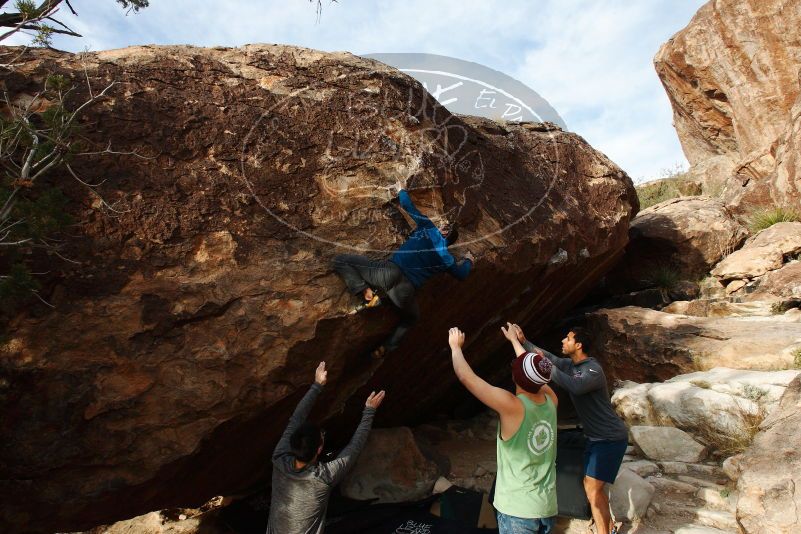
x=784 y=283
x=688 y=234
x=766 y=251
x=391 y=469
x=769 y=471
x=732 y=76
x=645 y=345
x=183 y=339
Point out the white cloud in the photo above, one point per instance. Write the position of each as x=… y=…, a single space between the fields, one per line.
x=591 y=59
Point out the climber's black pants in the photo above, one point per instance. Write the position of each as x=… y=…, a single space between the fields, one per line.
x=386 y=278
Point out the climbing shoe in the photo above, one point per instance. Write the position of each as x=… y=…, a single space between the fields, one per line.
x=363 y=305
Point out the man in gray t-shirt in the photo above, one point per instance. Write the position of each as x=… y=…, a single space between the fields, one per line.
x=301 y=485
x=607 y=436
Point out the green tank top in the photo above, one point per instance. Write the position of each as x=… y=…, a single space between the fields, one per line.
x=526 y=482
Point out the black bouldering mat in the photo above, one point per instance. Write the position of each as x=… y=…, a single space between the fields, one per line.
x=570 y=474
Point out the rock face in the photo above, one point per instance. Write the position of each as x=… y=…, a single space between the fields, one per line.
x=770 y=470
x=667 y=443
x=647 y=346
x=767 y=251
x=179 y=345
x=732 y=76
x=688 y=234
x=391 y=469
x=783 y=283
x=722 y=406
x=630 y=495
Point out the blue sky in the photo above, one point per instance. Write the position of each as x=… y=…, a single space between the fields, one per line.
x=591 y=59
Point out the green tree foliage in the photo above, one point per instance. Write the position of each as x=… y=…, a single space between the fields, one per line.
x=40 y=18
x=39 y=137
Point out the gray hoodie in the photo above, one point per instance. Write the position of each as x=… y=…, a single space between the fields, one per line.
x=300 y=496
x=586 y=384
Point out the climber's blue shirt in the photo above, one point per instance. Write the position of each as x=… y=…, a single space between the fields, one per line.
x=425 y=252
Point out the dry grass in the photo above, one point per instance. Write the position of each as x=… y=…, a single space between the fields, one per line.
x=731 y=443
x=760 y=219
x=797 y=358
x=674 y=183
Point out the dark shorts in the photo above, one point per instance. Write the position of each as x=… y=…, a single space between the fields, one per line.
x=602 y=459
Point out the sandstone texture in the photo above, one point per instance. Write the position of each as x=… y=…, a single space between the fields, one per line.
x=724 y=407
x=667 y=443
x=732 y=76
x=190 y=326
x=646 y=345
x=770 y=469
x=766 y=251
x=391 y=469
x=689 y=235
x=782 y=283
x=630 y=495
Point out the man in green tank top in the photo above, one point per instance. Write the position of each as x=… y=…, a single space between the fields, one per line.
x=525 y=488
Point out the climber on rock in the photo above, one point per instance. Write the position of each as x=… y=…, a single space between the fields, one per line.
x=525 y=487
x=301 y=484
x=424 y=254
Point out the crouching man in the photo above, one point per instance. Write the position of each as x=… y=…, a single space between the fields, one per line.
x=525 y=488
x=301 y=485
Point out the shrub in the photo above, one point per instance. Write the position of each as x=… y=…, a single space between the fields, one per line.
x=754 y=393
x=663 y=277
x=674 y=183
x=760 y=219
x=731 y=443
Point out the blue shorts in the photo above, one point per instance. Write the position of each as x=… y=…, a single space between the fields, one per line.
x=508 y=524
x=602 y=459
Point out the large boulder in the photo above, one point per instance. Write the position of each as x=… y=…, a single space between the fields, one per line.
x=391 y=469
x=782 y=284
x=723 y=407
x=667 y=443
x=688 y=235
x=766 y=251
x=191 y=325
x=769 y=471
x=645 y=345
x=630 y=495
x=732 y=76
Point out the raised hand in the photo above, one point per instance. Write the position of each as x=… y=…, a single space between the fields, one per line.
x=375 y=399
x=519 y=332
x=455 y=338
x=509 y=332
x=320 y=374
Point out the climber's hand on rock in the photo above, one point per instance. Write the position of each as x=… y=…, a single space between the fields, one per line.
x=395 y=188
x=375 y=399
x=320 y=374
x=469 y=256
x=455 y=338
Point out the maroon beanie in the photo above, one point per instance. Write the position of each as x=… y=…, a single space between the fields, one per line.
x=530 y=371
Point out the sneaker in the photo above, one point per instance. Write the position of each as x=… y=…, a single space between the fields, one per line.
x=363 y=305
